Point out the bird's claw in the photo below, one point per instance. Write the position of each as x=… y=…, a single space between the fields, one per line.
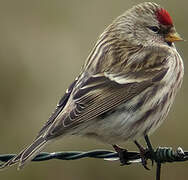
x=143 y=152
x=144 y=161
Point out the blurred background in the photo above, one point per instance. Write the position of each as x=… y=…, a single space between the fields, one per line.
x=43 y=45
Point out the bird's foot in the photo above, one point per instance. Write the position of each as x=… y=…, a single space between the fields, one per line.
x=143 y=152
x=122 y=153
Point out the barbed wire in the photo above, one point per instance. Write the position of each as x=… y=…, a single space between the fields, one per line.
x=161 y=155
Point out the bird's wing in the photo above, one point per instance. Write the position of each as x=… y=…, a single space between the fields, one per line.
x=58 y=109
x=101 y=93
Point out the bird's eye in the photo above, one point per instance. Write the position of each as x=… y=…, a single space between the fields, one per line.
x=154 y=29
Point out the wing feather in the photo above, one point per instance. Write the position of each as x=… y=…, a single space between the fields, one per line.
x=58 y=109
x=98 y=95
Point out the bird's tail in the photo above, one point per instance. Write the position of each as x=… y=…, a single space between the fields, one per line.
x=27 y=154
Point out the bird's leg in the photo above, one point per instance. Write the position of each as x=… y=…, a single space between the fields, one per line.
x=143 y=151
x=150 y=148
x=122 y=154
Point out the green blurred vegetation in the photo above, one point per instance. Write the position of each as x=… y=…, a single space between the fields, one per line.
x=43 y=45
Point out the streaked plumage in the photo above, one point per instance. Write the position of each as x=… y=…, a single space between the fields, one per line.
x=126 y=87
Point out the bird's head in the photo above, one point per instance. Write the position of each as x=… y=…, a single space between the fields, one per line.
x=147 y=24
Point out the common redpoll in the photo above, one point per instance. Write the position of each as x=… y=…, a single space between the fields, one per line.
x=126 y=87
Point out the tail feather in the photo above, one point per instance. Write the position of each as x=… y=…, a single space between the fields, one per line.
x=27 y=154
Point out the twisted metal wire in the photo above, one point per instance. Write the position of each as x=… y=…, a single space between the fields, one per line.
x=161 y=155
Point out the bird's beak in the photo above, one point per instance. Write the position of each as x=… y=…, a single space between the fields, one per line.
x=172 y=37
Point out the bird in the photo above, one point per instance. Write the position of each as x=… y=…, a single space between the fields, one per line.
x=125 y=88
